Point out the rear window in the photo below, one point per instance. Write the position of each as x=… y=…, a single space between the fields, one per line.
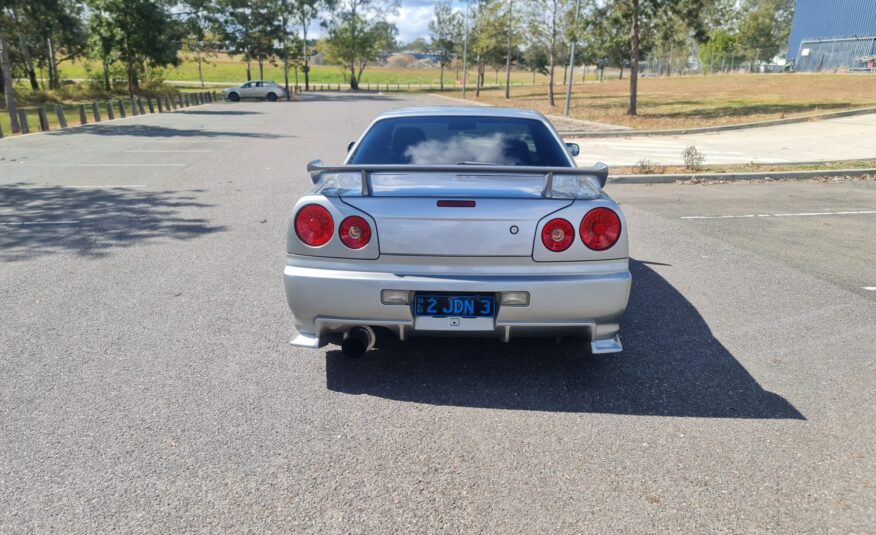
x=450 y=140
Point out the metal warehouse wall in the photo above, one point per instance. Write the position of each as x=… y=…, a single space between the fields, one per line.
x=815 y=19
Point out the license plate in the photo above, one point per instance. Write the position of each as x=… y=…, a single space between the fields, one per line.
x=457 y=306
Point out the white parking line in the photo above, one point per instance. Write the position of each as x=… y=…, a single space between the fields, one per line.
x=802 y=214
x=171 y=151
x=20 y=223
x=79 y=186
x=27 y=164
x=870 y=288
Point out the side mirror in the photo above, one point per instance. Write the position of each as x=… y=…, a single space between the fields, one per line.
x=350 y=146
x=574 y=149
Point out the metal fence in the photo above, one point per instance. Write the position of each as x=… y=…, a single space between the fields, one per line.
x=845 y=54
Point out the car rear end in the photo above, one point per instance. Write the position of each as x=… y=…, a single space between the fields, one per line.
x=491 y=250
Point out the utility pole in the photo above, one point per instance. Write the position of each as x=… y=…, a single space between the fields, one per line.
x=465 y=51
x=570 y=78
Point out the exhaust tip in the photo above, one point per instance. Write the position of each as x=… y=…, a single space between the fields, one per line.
x=357 y=341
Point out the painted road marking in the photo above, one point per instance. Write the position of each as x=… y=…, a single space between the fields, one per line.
x=88 y=186
x=93 y=164
x=18 y=223
x=801 y=214
x=173 y=151
x=870 y=288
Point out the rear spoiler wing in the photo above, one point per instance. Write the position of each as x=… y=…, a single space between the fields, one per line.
x=598 y=173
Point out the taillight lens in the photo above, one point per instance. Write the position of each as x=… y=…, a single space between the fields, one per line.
x=600 y=229
x=355 y=232
x=557 y=235
x=314 y=225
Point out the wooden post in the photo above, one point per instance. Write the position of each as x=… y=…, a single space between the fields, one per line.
x=44 y=120
x=83 y=119
x=160 y=107
x=149 y=102
x=22 y=121
x=109 y=111
x=180 y=100
x=122 y=109
x=59 y=111
x=140 y=106
x=1 y=131
x=95 y=109
x=167 y=105
x=134 y=107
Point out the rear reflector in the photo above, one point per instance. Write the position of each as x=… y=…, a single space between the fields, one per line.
x=456 y=204
x=395 y=297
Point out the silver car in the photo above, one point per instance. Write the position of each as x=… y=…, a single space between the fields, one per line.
x=260 y=89
x=457 y=222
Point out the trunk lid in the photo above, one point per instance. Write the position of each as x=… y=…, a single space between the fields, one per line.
x=417 y=225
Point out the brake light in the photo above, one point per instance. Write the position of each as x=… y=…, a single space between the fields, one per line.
x=314 y=225
x=355 y=232
x=600 y=229
x=557 y=235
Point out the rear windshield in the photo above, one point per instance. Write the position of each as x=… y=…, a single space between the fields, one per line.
x=450 y=140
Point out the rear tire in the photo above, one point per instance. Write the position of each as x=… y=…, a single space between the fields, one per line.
x=234 y=97
x=272 y=97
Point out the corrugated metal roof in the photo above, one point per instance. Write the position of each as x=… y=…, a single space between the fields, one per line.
x=814 y=19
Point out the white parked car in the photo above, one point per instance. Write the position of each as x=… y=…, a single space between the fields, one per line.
x=457 y=222
x=260 y=89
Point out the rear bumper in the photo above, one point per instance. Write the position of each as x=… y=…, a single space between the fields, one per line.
x=586 y=302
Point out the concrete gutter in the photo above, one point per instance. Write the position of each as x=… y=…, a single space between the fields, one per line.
x=723 y=128
x=772 y=175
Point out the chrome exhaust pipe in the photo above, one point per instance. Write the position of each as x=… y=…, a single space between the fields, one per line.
x=357 y=341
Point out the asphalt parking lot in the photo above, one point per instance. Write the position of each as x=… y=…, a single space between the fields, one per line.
x=146 y=383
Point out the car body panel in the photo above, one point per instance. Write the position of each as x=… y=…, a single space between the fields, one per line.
x=256 y=89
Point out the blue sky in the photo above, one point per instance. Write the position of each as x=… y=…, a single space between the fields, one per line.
x=412 y=19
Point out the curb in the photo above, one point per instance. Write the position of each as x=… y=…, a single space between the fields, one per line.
x=19 y=136
x=776 y=175
x=723 y=128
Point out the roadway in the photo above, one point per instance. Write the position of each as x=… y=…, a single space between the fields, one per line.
x=146 y=382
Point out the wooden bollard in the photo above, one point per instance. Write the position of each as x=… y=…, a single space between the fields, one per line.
x=167 y=103
x=1 y=131
x=140 y=106
x=83 y=119
x=179 y=98
x=149 y=102
x=59 y=111
x=95 y=110
x=109 y=111
x=160 y=106
x=22 y=122
x=44 y=120
x=187 y=100
x=121 y=104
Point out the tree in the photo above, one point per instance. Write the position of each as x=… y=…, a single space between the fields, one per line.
x=488 y=38
x=764 y=28
x=445 y=31
x=307 y=10
x=6 y=66
x=546 y=20
x=641 y=14
x=357 y=35
x=720 y=46
x=144 y=34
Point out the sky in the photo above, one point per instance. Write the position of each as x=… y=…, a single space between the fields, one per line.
x=412 y=19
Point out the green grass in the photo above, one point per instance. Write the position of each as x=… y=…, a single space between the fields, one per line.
x=750 y=168
x=225 y=69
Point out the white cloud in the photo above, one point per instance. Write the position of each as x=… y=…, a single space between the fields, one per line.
x=413 y=21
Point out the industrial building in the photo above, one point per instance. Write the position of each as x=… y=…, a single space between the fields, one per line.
x=833 y=35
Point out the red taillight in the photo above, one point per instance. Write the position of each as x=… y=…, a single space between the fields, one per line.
x=600 y=229
x=314 y=225
x=355 y=232
x=557 y=235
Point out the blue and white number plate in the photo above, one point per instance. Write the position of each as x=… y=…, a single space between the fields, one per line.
x=459 y=306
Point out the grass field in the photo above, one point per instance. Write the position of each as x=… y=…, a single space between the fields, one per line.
x=691 y=101
x=225 y=69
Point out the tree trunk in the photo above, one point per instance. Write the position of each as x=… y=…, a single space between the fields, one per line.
x=54 y=81
x=634 y=61
x=354 y=80
x=248 y=70
x=8 y=90
x=306 y=69
x=106 y=78
x=261 y=68
x=508 y=50
x=200 y=70
x=28 y=64
x=130 y=81
x=441 y=78
x=480 y=79
x=551 y=81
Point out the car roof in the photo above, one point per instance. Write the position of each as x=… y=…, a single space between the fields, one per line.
x=477 y=111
